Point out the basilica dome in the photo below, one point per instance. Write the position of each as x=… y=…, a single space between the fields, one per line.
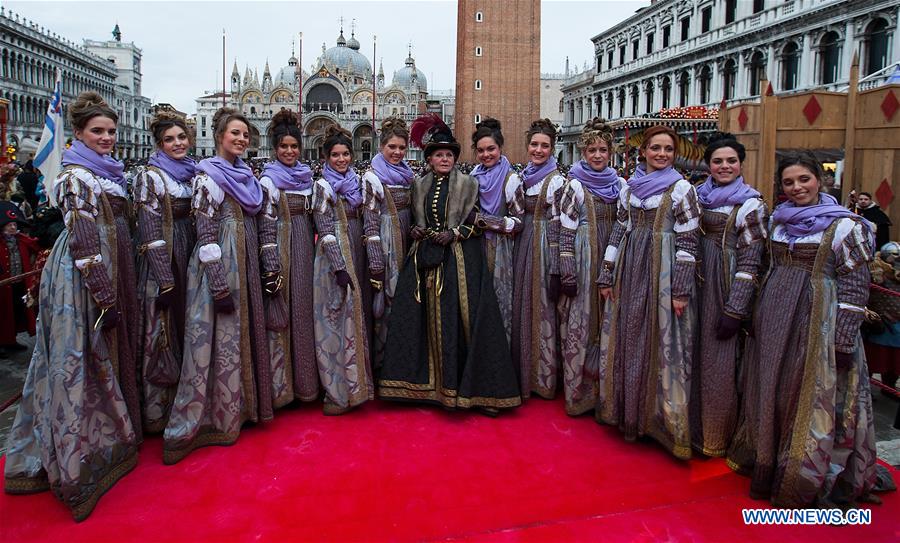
x=403 y=77
x=287 y=74
x=347 y=59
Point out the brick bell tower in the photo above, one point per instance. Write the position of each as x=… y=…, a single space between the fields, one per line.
x=498 y=70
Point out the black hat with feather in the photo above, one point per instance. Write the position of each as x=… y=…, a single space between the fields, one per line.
x=430 y=133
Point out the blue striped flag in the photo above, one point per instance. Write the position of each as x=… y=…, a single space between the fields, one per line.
x=49 y=152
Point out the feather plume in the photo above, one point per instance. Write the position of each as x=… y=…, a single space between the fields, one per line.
x=423 y=125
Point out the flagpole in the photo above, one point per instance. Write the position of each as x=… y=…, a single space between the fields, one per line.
x=223 y=67
x=300 y=83
x=374 y=91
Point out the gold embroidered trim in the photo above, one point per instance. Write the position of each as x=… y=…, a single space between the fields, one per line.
x=537 y=283
x=463 y=287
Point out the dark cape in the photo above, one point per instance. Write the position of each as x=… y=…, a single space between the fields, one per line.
x=882 y=222
x=446 y=342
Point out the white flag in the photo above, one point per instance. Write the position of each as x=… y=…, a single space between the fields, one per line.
x=48 y=157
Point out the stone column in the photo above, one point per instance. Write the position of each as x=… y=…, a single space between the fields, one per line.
x=715 y=85
x=771 y=68
x=807 y=64
x=741 y=87
x=850 y=45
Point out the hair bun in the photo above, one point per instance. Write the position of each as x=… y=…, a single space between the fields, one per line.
x=544 y=126
x=489 y=123
x=286 y=117
x=597 y=124
x=335 y=130
x=720 y=136
x=222 y=113
x=393 y=123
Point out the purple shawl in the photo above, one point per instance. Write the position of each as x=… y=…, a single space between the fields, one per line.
x=713 y=195
x=237 y=180
x=346 y=184
x=603 y=184
x=180 y=170
x=392 y=174
x=296 y=177
x=104 y=166
x=644 y=185
x=802 y=221
x=490 y=184
x=532 y=175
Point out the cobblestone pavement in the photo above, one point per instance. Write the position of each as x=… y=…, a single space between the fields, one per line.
x=14 y=367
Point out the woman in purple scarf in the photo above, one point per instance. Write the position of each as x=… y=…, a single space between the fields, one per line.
x=386 y=222
x=501 y=207
x=534 y=322
x=647 y=279
x=162 y=198
x=77 y=427
x=226 y=377
x=732 y=243
x=805 y=433
x=587 y=213
x=287 y=238
x=341 y=309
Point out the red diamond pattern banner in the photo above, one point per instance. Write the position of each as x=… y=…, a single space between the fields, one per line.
x=884 y=195
x=889 y=105
x=812 y=109
x=743 y=118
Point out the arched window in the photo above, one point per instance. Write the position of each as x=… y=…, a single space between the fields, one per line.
x=634 y=99
x=684 y=89
x=479 y=17
x=478 y=51
x=666 y=89
x=830 y=54
x=757 y=72
x=705 y=79
x=649 y=100
x=621 y=102
x=477 y=84
x=609 y=105
x=876 y=42
x=790 y=66
x=477 y=118
x=729 y=79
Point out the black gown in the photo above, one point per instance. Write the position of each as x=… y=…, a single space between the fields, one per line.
x=446 y=343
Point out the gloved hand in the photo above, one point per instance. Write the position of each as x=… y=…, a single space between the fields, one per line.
x=569 y=290
x=727 y=327
x=843 y=360
x=224 y=305
x=109 y=319
x=444 y=238
x=165 y=298
x=417 y=233
x=376 y=279
x=554 y=287
x=343 y=279
x=271 y=284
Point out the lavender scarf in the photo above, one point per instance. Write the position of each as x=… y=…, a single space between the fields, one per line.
x=532 y=175
x=603 y=184
x=346 y=184
x=644 y=185
x=802 y=221
x=104 y=166
x=490 y=184
x=180 y=170
x=296 y=177
x=713 y=195
x=237 y=180
x=392 y=174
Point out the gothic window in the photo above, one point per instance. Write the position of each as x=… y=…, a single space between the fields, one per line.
x=876 y=43
x=729 y=79
x=705 y=79
x=790 y=66
x=830 y=54
x=666 y=89
x=757 y=72
x=684 y=88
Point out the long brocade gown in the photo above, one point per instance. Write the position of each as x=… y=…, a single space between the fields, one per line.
x=167 y=236
x=586 y=222
x=732 y=244
x=805 y=431
x=386 y=223
x=227 y=374
x=535 y=330
x=74 y=432
x=446 y=342
x=646 y=350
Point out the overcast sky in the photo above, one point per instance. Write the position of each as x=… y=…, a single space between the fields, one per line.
x=182 y=41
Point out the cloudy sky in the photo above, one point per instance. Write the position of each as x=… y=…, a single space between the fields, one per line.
x=182 y=41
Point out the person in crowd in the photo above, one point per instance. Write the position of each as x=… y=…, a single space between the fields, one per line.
x=162 y=198
x=28 y=182
x=339 y=269
x=805 y=432
x=881 y=338
x=732 y=243
x=288 y=184
x=587 y=213
x=536 y=289
x=870 y=211
x=18 y=252
x=226 y=374
x=501 y=206
x=647 y=280
x=446 y=343
x=78 y=425
x=386 y=222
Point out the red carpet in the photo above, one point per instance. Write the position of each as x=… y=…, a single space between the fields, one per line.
x=401 y=472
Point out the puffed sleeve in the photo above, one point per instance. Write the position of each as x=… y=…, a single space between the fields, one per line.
x=373 y=195
x=323 y=215
x=852 y=251
x=206 y=205
x=751 y=242
x=149 y=198
x=611 y=254
x=686 y=210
